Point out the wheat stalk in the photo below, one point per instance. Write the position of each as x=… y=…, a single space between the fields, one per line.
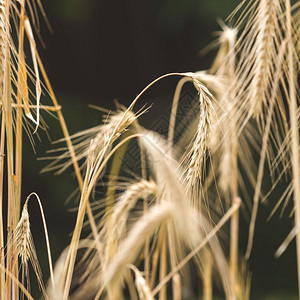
x=292 y=75
x=2 y=58
x=141 y=285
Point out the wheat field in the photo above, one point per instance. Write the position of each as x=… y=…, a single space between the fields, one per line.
x=158 y=213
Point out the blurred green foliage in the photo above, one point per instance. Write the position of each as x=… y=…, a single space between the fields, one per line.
x=72 y=11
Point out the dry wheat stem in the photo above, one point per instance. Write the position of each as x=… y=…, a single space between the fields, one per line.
x=2 y=260
x=176 y=282
x=46 y=234
x=207 y=279
x=176 y=97
x=19 y=117
x=141 y=285
x=16 y=281
x=286 y=242
x=42 y=107
x=294 y=132
x=163 y=263
x=7 y=114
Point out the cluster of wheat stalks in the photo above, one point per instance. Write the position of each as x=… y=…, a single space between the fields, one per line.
x=156 y=231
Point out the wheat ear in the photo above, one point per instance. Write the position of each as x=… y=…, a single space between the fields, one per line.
x=115 y=227
x=25 y=249
x=189 y=227
x=258 y=46
x=196 y=167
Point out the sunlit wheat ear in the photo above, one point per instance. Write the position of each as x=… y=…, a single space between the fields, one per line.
x=197 y=155
x=25 y=247
x=186 y=127
x=188 y=227
x=141 y=285
x=258 y=47
x=115 y=123
x=115 y=228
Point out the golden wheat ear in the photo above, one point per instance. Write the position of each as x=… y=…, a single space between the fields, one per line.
x=24 y=245
x=25 y=248
x=258 y=46
x=188 y=226
x=197 y=156
x=114 y=125
x=114 y=227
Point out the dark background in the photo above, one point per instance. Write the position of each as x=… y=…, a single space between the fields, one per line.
x=105 y=50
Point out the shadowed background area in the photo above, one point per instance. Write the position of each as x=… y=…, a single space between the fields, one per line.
x=105 y=50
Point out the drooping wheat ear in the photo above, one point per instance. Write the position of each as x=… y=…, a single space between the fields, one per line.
x=23 y=237
x=258 y=46
x=115 y=228
x=141 y=285
x=115 y=123
x=198 y=152
x=25 y=248
x=188 y=227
